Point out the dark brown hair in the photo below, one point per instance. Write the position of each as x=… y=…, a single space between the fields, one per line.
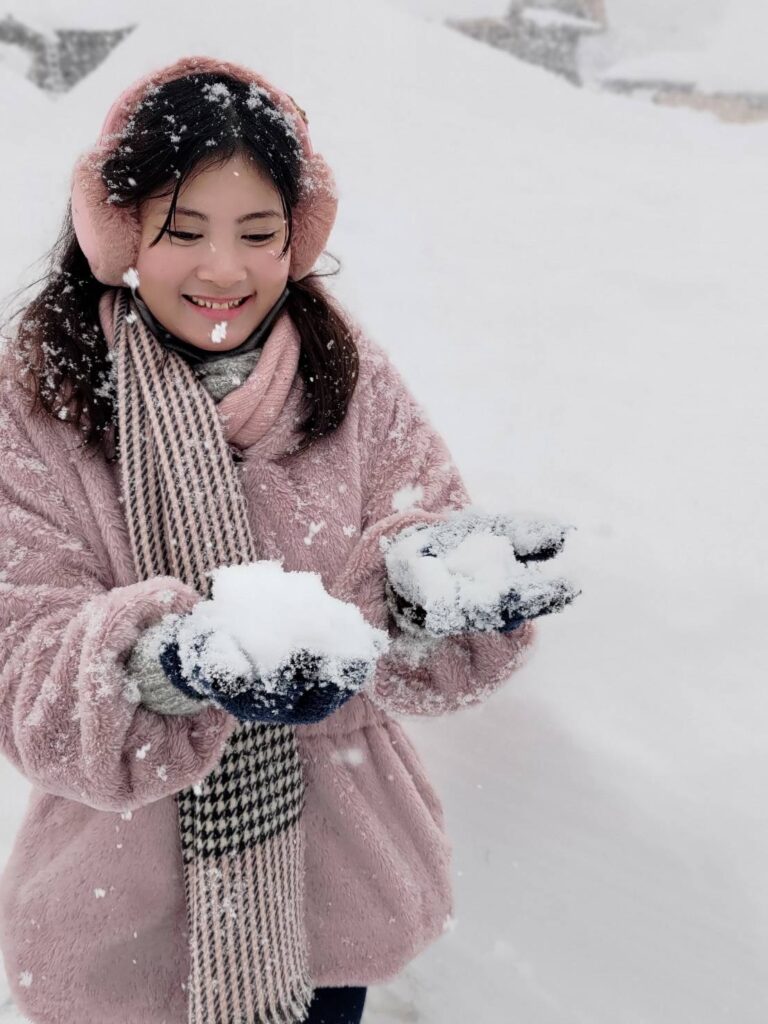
x=180 y=128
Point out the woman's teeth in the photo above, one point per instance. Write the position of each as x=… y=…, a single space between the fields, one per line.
x=217 y=305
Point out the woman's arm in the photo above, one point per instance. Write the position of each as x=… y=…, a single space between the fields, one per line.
x=405 y=462
x=69 y=719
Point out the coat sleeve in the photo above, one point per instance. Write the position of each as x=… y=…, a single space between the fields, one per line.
x=69 y=720
x=408 y=476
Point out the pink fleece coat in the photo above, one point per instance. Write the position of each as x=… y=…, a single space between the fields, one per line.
x=92 y=912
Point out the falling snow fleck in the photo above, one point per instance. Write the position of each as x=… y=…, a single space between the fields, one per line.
x=405 y=497
x=313 y=529
x=131 y=278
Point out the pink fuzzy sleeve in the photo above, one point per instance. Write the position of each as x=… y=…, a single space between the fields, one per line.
x=68 y=720
x=403 y=458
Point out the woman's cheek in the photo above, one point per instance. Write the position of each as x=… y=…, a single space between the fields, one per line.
x=268 y=268
x=159 y=268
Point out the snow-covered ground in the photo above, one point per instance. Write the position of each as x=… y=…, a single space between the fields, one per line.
x=575 y=287
x=716 y=45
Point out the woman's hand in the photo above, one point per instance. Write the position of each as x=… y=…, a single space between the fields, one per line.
x=305 y=689
x=474 y=572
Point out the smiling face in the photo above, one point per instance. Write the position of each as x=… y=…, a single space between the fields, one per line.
x=222 y=248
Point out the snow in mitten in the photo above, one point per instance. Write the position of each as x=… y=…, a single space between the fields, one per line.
x=474 y=572
x=299 y=693
x=271 y=646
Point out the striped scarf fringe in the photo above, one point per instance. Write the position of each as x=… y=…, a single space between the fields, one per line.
x=240 y=828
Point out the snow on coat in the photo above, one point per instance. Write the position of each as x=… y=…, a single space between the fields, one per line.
x=92 y=911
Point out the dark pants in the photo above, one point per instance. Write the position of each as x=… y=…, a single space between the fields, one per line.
x=337 y=1006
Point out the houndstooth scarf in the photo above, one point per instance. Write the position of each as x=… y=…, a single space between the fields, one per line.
x=242 y=840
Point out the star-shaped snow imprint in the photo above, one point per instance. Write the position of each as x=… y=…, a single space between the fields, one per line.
x=58 y=59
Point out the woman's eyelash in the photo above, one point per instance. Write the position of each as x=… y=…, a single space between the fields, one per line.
x=190 y=236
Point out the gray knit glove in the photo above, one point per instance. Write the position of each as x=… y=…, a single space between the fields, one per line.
x=157 y=691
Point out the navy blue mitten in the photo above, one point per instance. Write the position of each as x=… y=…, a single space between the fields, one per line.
x=415 y=615
x=474 y=572
x=306 y=689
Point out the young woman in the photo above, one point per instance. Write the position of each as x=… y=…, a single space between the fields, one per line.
x=184 y=394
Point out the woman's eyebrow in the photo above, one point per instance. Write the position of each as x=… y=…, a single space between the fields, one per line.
x=257 y=215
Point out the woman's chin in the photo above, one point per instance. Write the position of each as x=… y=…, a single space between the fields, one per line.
x=209 y=345
x=216 y=336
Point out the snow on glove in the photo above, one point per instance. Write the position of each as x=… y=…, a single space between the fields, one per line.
x=305 y=689
x=474 y=571
x=271 y=646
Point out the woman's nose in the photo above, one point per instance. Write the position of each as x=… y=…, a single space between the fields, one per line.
x=222 y=266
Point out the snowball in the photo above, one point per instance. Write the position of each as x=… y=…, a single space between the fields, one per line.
x=259 y=615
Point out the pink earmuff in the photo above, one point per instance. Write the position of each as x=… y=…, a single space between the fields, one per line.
x=109 y=234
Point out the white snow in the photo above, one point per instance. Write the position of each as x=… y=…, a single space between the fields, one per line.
x=717 y=45
x=312 y=530
x=259 y=615
x=735 y=58
x=352 y=756
x=461 y=571
x=131 y=278
x=547 y=19
x=574 y=285
x=15 y=59
x=406 y=497
x=678 y=67
x=219 y=332
x=439 y=10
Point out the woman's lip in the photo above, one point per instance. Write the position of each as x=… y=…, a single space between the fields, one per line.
x=218 y=314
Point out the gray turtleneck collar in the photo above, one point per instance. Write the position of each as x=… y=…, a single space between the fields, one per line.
x=222 y=375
